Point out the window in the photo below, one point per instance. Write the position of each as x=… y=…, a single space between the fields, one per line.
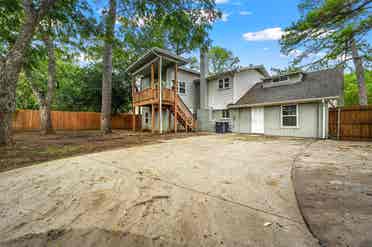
x=220 y=84
x=225 y=114
x=290 y=116
x=281 y=78
x=227 y=83
x=224 y=83
x=182 y=87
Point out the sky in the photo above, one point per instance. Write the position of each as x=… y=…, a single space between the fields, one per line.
x=251 y=29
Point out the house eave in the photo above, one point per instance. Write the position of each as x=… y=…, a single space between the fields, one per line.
x=297 y=101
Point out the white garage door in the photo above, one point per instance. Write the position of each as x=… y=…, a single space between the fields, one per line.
x=257 y=119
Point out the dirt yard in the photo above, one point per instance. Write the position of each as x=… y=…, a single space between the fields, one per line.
x=215 y=190
x=333 y=182
x=32 y=148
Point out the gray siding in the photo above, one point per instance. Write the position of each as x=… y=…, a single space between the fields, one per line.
x=309 y=117
x=147 y=126
x=205 y=122
x=308 y=121
x=188 y=78
x=241 y=120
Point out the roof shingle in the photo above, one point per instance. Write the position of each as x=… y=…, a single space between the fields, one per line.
x=318 y=84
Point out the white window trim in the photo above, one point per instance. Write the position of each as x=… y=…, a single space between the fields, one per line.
x=225 y=118
x=297 y=117
x=179 y=88
x=223 y=83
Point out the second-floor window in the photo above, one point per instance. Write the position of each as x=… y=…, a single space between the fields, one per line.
x=224 y=83
x=225 y=114
x=182 y=87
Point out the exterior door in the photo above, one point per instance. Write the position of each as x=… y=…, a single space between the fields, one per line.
x=257 y=119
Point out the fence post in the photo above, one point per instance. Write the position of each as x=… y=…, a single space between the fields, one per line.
x=338 y=122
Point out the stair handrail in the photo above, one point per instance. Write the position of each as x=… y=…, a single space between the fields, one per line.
x=184 y=106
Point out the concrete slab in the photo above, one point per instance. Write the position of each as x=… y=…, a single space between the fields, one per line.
x=199 y=191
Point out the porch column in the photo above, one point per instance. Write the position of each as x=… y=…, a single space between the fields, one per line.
x=160 y=99
x=133 y=107
x=169 y=119
x=152 y=75
x=175 y=96
x=152 y=118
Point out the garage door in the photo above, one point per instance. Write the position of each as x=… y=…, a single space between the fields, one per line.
x=257 y=118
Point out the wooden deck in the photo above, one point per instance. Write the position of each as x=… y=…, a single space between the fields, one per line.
x=150 y=96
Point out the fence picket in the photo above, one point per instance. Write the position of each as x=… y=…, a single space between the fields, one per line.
x=355 y=122
x=63 y=120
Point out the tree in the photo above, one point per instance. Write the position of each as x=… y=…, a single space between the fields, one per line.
x=333 y=32
x=11 y=62
x=107 y=68
x=60 y=28
x=222 y=59
x=351 y=88
x=45 y=97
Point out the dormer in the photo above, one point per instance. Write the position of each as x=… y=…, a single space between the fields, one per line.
x=282 y=80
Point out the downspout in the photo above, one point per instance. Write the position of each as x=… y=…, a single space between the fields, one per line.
x=324 y=119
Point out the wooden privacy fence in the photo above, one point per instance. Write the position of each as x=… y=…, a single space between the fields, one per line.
x=63 y=120
x=351 y=123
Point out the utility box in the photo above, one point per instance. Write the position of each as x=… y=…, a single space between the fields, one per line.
x=222 y=127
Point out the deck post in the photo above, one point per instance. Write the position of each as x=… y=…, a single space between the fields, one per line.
x=152 y=118
x=152 y=75
x=175 y=96
x=160 y=98
x=133 y=107
x=169 y=119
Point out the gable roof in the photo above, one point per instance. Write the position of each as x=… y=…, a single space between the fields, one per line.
x=260 y=68
x=192 y=71
x=152 y=54
x=313 y=86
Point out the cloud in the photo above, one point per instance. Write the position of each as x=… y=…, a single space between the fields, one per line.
x=225 y=17
x=244 y=12
x=266 y=49
x=221 y=1
x=274 y=33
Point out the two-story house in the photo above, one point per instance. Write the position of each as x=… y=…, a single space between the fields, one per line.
x=179 y=93
x=248 y=98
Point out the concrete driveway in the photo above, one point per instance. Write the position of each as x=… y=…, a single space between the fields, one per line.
x=228 y=190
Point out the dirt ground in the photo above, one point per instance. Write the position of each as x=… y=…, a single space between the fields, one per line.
x=31 y=148
x=333 y=182
x=215 y=190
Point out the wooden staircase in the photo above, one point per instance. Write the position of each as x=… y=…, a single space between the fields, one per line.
x=184 y=115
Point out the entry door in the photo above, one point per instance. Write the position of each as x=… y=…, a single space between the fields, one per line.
x=257 y=120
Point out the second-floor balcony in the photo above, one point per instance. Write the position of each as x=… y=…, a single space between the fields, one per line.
x=152 y=96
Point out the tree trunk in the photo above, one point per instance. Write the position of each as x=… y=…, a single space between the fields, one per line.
x=359 y=70
x=6 y=128
x=45 y=120
x=45 y=114
x=11 y=65
x=107 y=70
x=203 y=75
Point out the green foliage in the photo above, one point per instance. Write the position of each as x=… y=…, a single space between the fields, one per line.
x=25 y=96
x=79 y=89
x=325 y=30
x=351 y=88
x=179 y=25
x=221 y=59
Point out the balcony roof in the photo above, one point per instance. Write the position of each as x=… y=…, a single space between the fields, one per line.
x=151 y=55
